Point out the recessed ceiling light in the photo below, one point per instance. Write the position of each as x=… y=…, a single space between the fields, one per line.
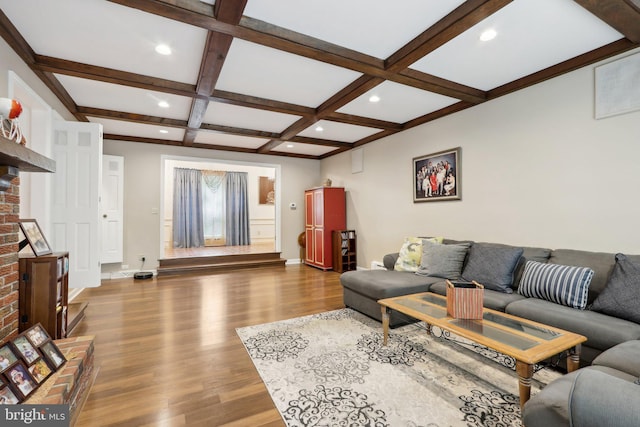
x=163 y=104
x=319 y=128
x=374 y=98
x=164 y=131
x=289 y=145
x=487 y=35
x=163 y=49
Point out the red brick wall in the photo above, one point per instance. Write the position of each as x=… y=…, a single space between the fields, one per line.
x=9 y=214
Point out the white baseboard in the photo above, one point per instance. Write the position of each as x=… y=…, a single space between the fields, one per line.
x=377 y=265
x=74 y=292
x=293 y=261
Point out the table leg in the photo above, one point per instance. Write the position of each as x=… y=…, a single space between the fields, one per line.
x=386 y=313
x=573 y=358
x=525 y=372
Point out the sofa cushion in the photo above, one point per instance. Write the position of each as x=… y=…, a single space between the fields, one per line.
x=562 y=284
x=389 y=260
x=529 y=254
x=621 y=295
x=624 y=357
x=492 y=265
x=601 y=330
x=411 y=253
x=598 y=399
x=378 y=284
x=600 y=262
x=550 y=407
x=444 y=261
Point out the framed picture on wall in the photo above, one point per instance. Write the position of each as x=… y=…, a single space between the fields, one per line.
x=34 y=236
x=436 y=176
x=267 y=191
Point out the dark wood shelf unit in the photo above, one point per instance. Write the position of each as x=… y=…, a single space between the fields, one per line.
x=44 y=292
x=344 y=250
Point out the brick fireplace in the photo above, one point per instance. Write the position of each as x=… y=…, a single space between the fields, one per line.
x=72 y=383
x=14 y=158
x=9 y=214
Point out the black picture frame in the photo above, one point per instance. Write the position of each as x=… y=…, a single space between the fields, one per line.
x=34 y=237
x=19 y=377
x=8 y=357
x=37 y=335
x=27 y=351
x=52 y=354
x=40 y=370
x=436 y=176
x=8 y=396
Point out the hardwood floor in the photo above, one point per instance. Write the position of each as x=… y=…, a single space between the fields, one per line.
x=167 y=349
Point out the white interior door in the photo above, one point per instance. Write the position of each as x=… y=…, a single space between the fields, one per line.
x=112 y=209
x=77 y=150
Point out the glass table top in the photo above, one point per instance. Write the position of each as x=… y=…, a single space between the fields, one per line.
x=430 y=310
x=517 y=333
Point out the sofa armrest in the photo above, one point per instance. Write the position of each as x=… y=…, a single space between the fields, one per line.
x=389 y=260
x=598 y=399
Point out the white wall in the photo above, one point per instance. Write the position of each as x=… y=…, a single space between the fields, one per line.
x=142 y=182
x=40 y=107
x=11 y=61
x=536 y=168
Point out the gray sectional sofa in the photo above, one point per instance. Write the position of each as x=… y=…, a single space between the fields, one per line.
x=609 y=315
x=606 y=393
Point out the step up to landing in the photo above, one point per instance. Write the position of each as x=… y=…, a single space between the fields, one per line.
x=219 y=263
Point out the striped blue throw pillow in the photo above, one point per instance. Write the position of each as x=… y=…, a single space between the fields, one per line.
x=557 y=283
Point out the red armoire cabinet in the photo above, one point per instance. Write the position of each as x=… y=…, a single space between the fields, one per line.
x=325 y=211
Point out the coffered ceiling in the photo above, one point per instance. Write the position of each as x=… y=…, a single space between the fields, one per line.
x=297 y=78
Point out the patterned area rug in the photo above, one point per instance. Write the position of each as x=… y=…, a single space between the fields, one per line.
x=331 y=369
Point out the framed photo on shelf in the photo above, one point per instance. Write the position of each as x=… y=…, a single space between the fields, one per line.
x=21 y=379
x=34 y=236
x=52 y=355
x=37 y=335
x=436 y=176
x=7 y=357
x=7 y=396
x=40 y=371
x=25 y=349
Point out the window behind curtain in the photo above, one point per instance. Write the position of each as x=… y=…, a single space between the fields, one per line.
x=213 y=207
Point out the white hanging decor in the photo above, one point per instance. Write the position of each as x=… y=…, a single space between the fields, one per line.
x=10 y=109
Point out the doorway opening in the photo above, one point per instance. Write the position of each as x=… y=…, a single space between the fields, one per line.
x=263 y=185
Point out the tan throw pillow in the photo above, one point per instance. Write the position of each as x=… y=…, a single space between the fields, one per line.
x=411 y=253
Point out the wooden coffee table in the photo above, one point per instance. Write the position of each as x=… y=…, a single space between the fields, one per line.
x=526 y=341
